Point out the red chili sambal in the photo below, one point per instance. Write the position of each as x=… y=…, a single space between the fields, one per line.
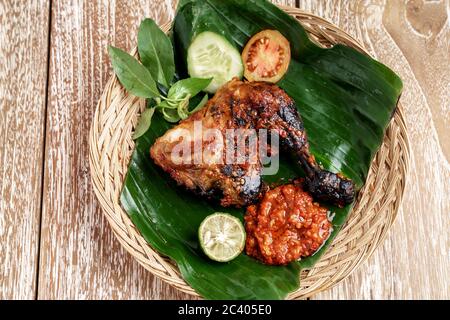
x=285 y=226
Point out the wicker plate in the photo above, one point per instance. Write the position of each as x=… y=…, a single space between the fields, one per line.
x=111 y=146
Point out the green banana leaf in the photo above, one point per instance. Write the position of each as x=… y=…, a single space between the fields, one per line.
x=346 y=100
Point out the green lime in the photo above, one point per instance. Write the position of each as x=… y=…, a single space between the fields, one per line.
x=222 y=237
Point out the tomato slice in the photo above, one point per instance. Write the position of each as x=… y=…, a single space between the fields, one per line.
x=266 y=56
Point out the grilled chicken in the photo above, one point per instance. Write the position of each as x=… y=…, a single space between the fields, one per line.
x=199 y=162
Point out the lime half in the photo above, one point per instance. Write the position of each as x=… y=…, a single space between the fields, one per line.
x=222 y=237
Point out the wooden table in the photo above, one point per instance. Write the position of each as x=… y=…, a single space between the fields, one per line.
x=54 y=241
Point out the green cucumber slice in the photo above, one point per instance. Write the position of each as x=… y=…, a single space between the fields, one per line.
x=210 y=55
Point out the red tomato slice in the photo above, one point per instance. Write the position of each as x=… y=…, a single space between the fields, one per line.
x=266 y=56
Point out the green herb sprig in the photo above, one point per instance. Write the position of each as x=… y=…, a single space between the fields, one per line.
x=157 y=67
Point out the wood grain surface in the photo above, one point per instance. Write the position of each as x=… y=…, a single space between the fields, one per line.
x=23 y=79
x=80 y=258
x=71 y=252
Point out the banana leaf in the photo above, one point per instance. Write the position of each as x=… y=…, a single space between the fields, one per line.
x=346 y=100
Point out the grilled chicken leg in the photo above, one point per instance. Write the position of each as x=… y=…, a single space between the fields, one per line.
x=242 y=105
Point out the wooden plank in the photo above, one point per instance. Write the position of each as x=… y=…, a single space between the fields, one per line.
x=23 y=78
x=412 y=37
x=80 y=258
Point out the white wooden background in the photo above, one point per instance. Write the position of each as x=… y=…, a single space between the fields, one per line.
x=54 y=241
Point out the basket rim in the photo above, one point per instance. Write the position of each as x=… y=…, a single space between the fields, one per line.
x=130 y=241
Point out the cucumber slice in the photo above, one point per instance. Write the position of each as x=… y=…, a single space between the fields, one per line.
x=211 y=56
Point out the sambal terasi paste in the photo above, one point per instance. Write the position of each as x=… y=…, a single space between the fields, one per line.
x=286 y=226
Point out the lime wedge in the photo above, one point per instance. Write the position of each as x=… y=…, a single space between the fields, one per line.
x=222 y=237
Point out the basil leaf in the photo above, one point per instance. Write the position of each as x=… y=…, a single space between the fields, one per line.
x=170 y=115
x=133 y=75
x=190 y=86
x=183 y=107
x=156 y=52
x=167 y=105
x=200 y=105
x=144 y=123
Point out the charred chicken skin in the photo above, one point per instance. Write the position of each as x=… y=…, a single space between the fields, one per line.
x=243 y=105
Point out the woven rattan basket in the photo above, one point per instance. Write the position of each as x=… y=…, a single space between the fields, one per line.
x=111 y=146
